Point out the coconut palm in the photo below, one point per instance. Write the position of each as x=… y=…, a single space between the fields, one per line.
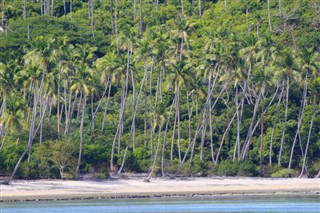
x=159 y=121
x=13 y=116
x=83 y=83
x=286 y=71
x=315 y=99
x=106 y=65
x=177 y=78
x=309 y=63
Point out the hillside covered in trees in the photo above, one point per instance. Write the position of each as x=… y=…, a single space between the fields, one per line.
x=160 y=87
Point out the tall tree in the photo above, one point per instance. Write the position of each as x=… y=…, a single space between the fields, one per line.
x=287 y=69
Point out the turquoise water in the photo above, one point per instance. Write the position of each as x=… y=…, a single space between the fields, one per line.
x=180 y=205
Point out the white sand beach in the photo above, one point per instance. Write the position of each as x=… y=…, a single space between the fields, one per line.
x=36 y=190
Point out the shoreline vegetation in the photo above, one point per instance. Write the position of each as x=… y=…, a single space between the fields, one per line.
x=133 y=187
x=186 y=88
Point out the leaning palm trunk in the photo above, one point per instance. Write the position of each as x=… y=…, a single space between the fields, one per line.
x=3 y=140
x=224 y=86
x=9 y=179
x=150 y=107
x=156 y=156
x=237 y=144
x=274 y=127
x=308 y=140
x=29 y=146
x=261 y=117
x=70 y=113
x=77 y=118
x=245 y=149
x=106 y=108
x=165 y=139
x=300 y=116
x=91 y=125
x=121 y=114
x=224 y=135
x=136 y=104
x=33 y=123
x=81 y=132
x=285 y=123
x=200 y=126
x=174 y=128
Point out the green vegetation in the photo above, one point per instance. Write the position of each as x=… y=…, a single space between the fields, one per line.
x=163 y=87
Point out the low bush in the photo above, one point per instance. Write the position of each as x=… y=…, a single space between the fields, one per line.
x=235 y=168
x=284 y=173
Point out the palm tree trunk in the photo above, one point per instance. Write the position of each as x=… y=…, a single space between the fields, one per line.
x=106 y=108
x=81 y=132
x=70 y=113
x=246 y=146
x=3 y=140
x=33 y=119
x=91 y=125
x=150 y=107
x=71 y=10
x=224 y=135
x=247 y=20
x=58 y=108
x=237 y=145
x=203 y=138
x=269 y=16
x=178 y=121
x=261 y=136
x=285 y=123
x=182 y=6
x=78 y=114
x=24 y=9
x=165 y=139
x=308 y=140
x=174 y=130
x=274 y=126
x=132 y=130
x=9 y=179
x=300 y=116
x=64 y=8
x=92 y=17
x=280 y=8
x=140 y=17
x=211 y=138
x=156 y=156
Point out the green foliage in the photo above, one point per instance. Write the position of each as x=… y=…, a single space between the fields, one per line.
x=284 y=173
x=235 y=168
x=102 y=173
x=197 y=75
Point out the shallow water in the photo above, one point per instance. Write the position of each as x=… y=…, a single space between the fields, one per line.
x=180 y=205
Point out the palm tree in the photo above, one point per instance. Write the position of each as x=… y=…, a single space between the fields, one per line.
x=315 y=96
x=176 y=80
x=309 y=63
x=13 y=116
x=106 y=65
x=83 y=84
x=123 y=73
x=286 y=65
x=159 y=121
x=8 y=71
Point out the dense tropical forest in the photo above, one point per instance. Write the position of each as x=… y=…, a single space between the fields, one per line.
x=170 y=87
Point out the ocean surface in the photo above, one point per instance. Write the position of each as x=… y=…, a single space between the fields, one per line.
x=182 y=205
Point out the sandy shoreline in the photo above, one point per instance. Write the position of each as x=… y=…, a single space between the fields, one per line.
x=38 y=190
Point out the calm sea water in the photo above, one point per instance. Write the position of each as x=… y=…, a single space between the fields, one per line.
x=181 y=205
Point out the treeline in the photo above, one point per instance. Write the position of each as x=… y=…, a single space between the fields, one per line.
x=192 y=88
